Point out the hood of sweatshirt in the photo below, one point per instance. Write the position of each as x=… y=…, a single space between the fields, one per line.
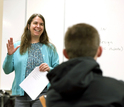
x=72 y=78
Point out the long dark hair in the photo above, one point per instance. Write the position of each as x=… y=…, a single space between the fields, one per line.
x=26 y=36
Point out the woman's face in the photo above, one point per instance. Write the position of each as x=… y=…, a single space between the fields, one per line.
x=36 y=27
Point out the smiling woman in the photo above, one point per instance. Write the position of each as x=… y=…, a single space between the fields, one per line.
x=23 y=56
x=14 y=21
x=36 y=28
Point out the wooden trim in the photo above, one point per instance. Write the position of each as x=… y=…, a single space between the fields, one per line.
x=1 y=25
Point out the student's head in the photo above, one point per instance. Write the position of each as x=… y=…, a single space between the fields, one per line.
x=82 y=40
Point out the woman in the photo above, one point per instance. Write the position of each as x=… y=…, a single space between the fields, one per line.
x=33 y=50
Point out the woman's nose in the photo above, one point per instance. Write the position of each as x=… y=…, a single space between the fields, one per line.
x=38 y=25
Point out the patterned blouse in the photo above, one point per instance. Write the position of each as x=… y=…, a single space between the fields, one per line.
x=35 y=57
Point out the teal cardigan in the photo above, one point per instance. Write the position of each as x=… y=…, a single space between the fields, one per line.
x=17 y=62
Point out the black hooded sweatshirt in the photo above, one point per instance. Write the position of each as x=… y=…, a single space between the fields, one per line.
x=79 y=83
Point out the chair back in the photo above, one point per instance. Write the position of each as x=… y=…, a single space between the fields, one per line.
x=43 y=100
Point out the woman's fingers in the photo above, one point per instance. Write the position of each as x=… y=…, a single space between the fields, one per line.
x=44 y=67
x=10 y=47
x=11 y=41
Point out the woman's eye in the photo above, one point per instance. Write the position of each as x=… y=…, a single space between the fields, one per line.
x=41 y=24
x=35 y=23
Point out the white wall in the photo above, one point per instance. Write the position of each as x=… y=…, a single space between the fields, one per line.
x=108 y=17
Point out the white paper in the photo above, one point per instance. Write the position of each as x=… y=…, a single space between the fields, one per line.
x=34 y=83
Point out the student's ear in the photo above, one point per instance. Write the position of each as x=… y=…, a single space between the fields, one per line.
x=99 y=52
x=65 y=53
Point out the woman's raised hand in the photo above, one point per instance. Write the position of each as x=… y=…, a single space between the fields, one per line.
x=10 y=47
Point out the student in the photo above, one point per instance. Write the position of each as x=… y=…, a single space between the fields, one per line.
x=79 y=82
x=33 y=50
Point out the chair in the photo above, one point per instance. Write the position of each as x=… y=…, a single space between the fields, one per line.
x=43 y=100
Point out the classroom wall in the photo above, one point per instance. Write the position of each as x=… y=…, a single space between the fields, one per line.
x=1 y=22
x=107 y=16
